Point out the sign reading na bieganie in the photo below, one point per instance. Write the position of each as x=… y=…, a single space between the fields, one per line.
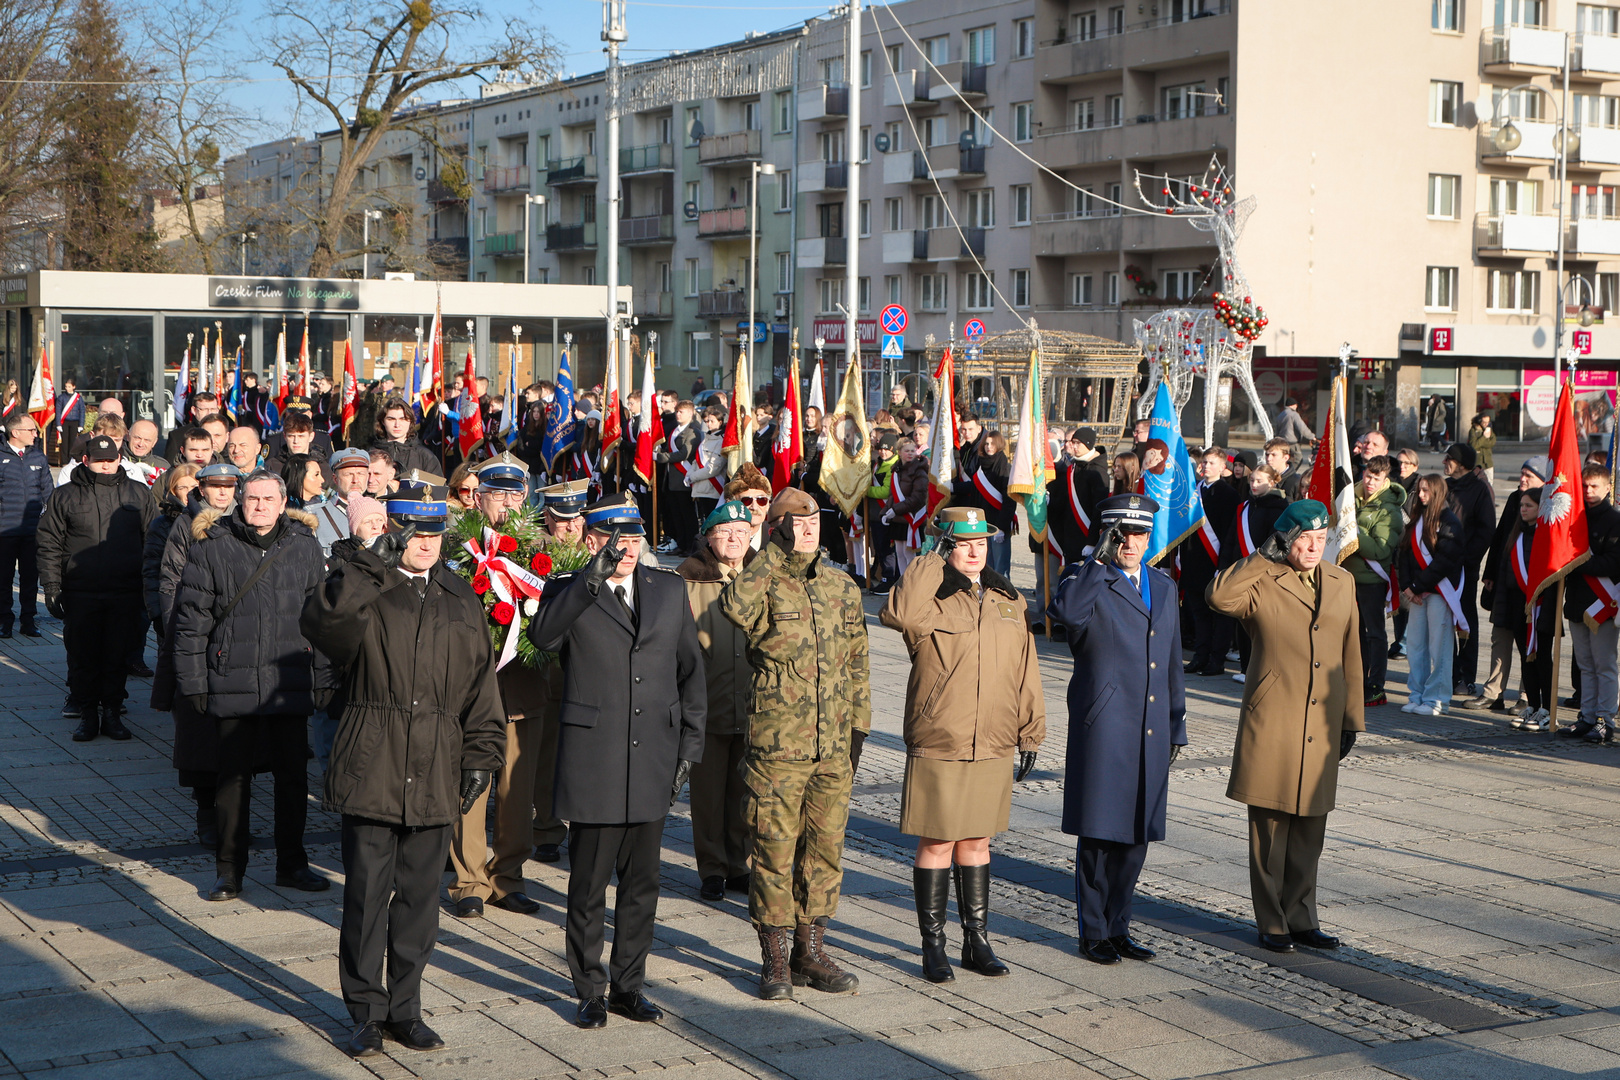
x=283 y=294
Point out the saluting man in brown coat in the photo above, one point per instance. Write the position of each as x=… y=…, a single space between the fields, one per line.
x=1302 y=708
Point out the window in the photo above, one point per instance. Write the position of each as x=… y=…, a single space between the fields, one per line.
x=1115 y=104
x=980 y=124
x=1590 y=202
x=587 y=275
x=1180 y=284
x=1522 y=103
x=750 y=112
x=1440 y=290
x=1085 y=203
x=691 y=277
x=1589 y=19
x=1023 y=121
x=784 y=190
x=1521 y=12
x=1115 y=196
x=1513 y=291
x=1443 y=196
x=930 y=212
x=936 y=130
x=784 y=271
x=894 y=57
x=894 y=215
x=866 y=144
x=866 y=217
x=831 y=145
x=897 y=137
x=1596 y=110
x=1019 y=194
x=665 y=278
x=1113 y=290
x=864 y=289
x=829 y=294
x=1443 y=15
x=1116 y=20
x=979 y=208
x=587 y=206
x=976 y=289
x=1514 y=196
x=666 y=132
x=931 y=292
x=1608 y=291
x=1023 y=38
x=1445 y=101
x=694 y=124
x=937 y=50
x=693 y=344
x=830 y=219
x=692 y=192
x=866 y=69
x=981 y=45
x=1178 y=102
x=891 y=289
x=542 y=276
x=1083 y=114
x=1084 y=25
x=784 y=110
x=590 y=142
x=1080 y=290
x=1020 y=288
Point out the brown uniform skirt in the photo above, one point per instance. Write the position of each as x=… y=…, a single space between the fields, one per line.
x=956 y=800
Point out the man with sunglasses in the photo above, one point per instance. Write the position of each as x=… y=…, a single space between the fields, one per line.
x=25 y=484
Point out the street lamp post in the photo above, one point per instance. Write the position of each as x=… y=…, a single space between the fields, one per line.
x=528 y=201
x=757 y=170
x=242 y=243
x=365 y=240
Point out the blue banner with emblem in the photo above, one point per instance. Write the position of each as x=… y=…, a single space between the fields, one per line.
x=561 y=429
x=1168 y=479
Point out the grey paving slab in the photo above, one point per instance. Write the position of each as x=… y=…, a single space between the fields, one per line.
x=972 y=1050
x=264 y=1058
x=1181 y=1059
x=1106 y=1030
x=870 y=1060
x=149 y=1067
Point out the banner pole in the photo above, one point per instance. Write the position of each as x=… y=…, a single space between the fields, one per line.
x=1046 y=583
x=1558 y=636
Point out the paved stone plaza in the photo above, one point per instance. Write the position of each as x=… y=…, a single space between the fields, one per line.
x=1472 y=871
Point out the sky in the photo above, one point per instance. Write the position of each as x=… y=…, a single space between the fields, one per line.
x=654 y=28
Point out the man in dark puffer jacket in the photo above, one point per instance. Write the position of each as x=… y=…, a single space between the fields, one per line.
x=241 y=659
x=90 y=540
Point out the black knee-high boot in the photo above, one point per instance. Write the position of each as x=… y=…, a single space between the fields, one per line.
x=933 y=892
x=207 y=823
x=973 y=905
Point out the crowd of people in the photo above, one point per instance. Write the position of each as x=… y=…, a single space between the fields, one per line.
x=489 y=664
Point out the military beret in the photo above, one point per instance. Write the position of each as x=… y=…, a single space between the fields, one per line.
x=726 y=513
x=791 y=501
x=1306 y=514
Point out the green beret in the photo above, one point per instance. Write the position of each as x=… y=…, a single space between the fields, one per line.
x=1306 y=514
x=726 y=513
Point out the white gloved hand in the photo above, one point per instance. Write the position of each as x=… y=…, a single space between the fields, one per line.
x=888 y=517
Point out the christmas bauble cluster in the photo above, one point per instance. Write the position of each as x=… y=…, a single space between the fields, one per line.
x=1244 y=318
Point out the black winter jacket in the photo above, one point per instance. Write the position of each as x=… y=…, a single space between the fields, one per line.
x=93 y=532
x=257 y=662
x=418 y=681
x=1477 y=515
x=1445 y=556
x=1603 y=533
x=1263 y=515
x=25 y=484
x=409 y=454
x=157 y=538
x=1508 y=602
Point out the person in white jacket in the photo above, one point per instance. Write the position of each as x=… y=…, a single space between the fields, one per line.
x=706 y=477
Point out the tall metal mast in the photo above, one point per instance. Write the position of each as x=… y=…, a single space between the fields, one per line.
x=852 y=196
x=613 y=33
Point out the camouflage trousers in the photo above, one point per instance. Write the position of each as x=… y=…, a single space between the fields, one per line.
x=798 y=810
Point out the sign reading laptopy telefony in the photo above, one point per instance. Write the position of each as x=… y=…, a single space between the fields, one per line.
x=283 y=294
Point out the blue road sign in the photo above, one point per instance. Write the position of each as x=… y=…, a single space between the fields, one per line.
x=894 y=319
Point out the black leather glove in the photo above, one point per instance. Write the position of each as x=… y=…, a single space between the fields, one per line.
x=390 y=546
x=782 y=533
x=53 y=604
x=1107 y=546
x=1175 y=752
x=1026 y=765
x=1275 y=547
x=603 y=563
x=474 y=782
x=683 y=770
x=198 y=703
x=944 y=544
x=1347 y=743
x=323 y=698
x=857 y=742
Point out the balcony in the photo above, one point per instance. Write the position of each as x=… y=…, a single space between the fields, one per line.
x=656 y=157
x=945 y=245
x=970 y=161
x=908 y=245
x=653 y=229
x=823 y=176
x=906 y=88
x=1190 y=33
x=447 y=249
x=732 y=146
x=654 y=305
x=1084 y=234
x=1515 y=235
x=819 y=251
x=732 y=221
x=1589 y=237
x=1521 y=50
x=579 y=237
x=824 y=101
x=958 y=76
x=574 y=170
x=440 y=192
x=722 y=304
x=1535 y=144
x=1149 y=135
x=507 y=245
x=904 y=166
x=1599 y=148
x=503 y=178
x=1596 y=56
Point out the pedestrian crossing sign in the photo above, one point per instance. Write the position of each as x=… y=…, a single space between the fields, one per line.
x=894 y=347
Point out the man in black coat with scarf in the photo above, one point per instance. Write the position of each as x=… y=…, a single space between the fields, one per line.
x=633 y=713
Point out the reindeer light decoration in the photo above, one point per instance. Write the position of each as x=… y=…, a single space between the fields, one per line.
x=1182 y=344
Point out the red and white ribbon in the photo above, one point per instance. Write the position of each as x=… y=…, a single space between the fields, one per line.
x=513 y=584
x=1450 y=591
x=991 y=494
x=1602 y=609
x=1245 y=538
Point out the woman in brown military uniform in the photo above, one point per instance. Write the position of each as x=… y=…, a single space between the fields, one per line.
x=972 y=702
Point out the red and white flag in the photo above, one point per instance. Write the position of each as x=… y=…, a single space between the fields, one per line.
x=472 y=419
x=1560 y=543
x=351 y=386
x=942 y=434
x=612 y=429
x=788 y=450
x=42 y=392
x=649 y=429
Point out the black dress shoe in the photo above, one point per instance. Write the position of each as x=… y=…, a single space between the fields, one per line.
x=5 y=631
x=634 y=1005
x=469 y=907
x=89 y=727
x=1099 y=952
x=139 y=670
x=1194 y=668
x=1130 y=948
x=413 y=1034
x=226 y=888
x=548 y=853
x=112 y=724
x=304 y=880
x=740 y=883
x=1277 y=942
x=1315 y=939
x=592 y=1013
x=366 y=1041
x=714 y=888
x=30 y=630
x=517 y=903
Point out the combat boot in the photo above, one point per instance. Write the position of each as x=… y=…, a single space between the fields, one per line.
x=775 y=980
x=89 y=725
x=973 y=905
x=112 y=724
x=933 y=891
x=812 y=967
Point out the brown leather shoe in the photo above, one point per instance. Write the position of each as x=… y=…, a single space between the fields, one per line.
x=812 y=967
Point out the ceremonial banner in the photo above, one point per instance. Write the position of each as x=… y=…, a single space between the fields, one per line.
x=649 y=430
x=1170 y=482
x=1032 y=458
x=1560 y=543
x=942 y=434
x=1331 y=482
x=846 y=467
x=561 y=429
x=472 y=419
x=351 y=387
x=789 y=448
x=612 y=422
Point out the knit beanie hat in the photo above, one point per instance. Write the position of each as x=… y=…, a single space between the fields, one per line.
x=362 y=507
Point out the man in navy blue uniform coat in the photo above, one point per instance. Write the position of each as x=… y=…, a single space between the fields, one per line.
x=1127 y=719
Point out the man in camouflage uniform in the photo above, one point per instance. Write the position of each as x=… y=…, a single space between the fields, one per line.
x=793 y=606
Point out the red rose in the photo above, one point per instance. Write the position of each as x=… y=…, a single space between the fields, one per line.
x=480 y=584
x=541 y=563
x=503 y=613
x=505 y=545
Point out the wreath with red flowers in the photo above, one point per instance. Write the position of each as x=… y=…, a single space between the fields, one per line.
x=523 y=540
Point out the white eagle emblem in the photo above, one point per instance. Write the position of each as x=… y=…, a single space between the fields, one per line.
x=1555 y=504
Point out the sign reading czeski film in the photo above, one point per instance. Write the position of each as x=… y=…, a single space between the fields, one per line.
x=283 y=294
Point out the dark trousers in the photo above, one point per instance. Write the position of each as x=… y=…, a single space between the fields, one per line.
x=1465 y=661
x=682 y=517
x=97 y=632
x=1536 y=675
x=1283 y=852
x=390 y=906
x=595 y=853
x=282 y=743
x=1212 y=631
x=1105 y=874
x=701 y=509
x=1372 y=599
x=18 y=556
x=137 y=640
x=1400 y=627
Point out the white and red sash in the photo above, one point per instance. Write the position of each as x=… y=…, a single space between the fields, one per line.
x=65 y=410
x=894 y=488
x=1079 y=511
x=1245 y=537
x=990 y=493
x=1602 y=609
x=1521 y=574
x=1451 y=591
x=1206 y=535
x=1392 y=595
